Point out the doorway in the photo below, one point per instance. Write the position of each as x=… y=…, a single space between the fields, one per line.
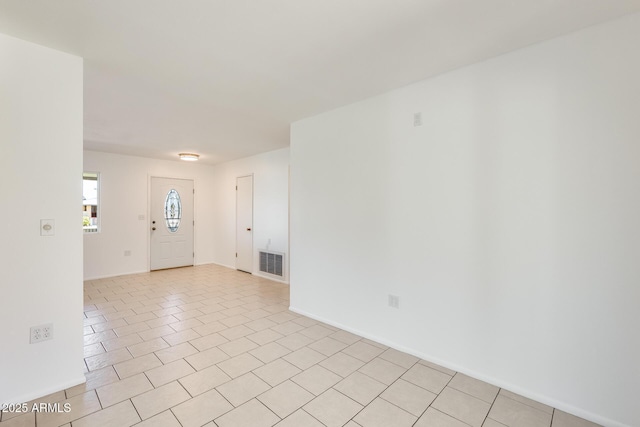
x=244 y=223
x=171 y=217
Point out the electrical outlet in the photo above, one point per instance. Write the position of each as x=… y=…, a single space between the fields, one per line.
x=127 y=253
x=47 y=332
x=41 y=333
x=394 y=301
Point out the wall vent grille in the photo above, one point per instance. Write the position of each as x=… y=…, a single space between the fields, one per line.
x=272 y=263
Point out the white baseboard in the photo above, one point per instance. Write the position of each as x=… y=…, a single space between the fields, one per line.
x=224 y=265
x=272 y=278
x=108 y=276
x=258 y=274
x=47 y=391
x=579 y=412
x=203 y=263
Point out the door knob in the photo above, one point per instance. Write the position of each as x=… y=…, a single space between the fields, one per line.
x=153 y=228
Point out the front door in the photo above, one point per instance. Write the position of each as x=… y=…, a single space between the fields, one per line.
x=171 y=223
x=244 y=223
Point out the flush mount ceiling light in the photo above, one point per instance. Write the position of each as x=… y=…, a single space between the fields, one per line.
x=190 y=157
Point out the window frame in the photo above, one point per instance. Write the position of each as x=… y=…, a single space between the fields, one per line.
x=96 y=228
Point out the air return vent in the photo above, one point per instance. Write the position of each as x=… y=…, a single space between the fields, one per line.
x=272 y=263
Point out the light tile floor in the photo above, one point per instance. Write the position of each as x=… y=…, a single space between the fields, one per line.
x=209 y=346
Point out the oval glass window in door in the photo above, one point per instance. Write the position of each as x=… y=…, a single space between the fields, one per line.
x=172 y=210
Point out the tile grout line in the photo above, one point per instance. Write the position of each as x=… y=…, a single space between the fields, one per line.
x=437 y=395
x=528 y=405
x=491 y=407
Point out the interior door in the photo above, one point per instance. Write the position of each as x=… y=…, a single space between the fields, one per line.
x=172 y=224
x=244 y=223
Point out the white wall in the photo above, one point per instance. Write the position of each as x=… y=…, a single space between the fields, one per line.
x=270 y=205
x=124 y=194
x=124 y=186
x=507 y=224
x=40 y=176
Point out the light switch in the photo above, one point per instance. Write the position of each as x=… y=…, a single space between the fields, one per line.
x=417 y=119
x=47 y=227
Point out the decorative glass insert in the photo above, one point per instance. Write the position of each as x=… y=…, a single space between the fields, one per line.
x=172 y=210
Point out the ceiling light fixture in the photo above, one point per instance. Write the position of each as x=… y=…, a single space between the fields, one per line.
x=190 y=157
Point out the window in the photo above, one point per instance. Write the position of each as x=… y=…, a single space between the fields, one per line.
x=172 y=210
x=90 y=193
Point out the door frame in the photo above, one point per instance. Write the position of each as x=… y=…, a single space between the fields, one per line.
x=252 y=218
x=147 y=219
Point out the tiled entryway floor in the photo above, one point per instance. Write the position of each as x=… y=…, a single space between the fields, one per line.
x=215 y=347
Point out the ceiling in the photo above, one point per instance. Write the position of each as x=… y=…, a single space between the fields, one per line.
x=225 y=78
